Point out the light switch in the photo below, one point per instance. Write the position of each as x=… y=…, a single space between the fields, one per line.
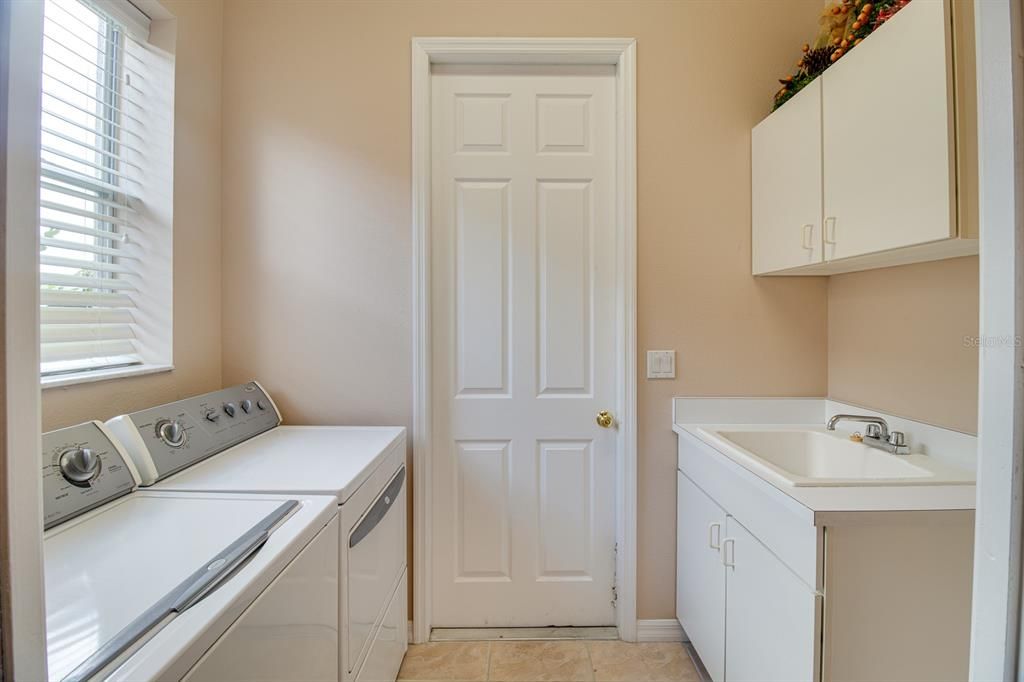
x=661 y=364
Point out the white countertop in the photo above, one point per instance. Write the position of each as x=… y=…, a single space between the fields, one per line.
x=949 y=448
x=887 y=497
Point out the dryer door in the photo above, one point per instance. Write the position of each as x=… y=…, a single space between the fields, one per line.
x=376 y=559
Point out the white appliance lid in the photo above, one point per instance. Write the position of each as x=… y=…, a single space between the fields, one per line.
x=107 y=568
x=312 y=460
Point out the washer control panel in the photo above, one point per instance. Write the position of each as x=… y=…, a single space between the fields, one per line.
x=82 y=469
x=166 y=439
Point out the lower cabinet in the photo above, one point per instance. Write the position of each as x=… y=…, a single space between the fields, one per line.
x=768 y=589
x=770 y=614
x=749 y=617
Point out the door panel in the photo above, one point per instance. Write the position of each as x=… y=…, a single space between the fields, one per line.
x=482 y=511
x=770 y=614
x=564 y=286
x=481 y=233
x=523 y=337
x=700 y=575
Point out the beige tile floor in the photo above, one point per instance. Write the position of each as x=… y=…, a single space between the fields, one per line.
x=548 y=661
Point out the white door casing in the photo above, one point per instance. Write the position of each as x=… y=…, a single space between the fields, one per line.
x=617 y=52
x=523 y=264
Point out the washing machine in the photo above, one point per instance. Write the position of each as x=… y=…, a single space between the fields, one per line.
x=145 y=585
x=233 y=441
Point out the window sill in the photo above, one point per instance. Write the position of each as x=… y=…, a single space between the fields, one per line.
x=102 y=375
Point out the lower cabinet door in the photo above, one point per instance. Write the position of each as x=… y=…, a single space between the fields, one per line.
x=700 y=575
x=771 y=614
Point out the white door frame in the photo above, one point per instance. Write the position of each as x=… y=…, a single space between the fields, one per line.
x=620 y=52
x=21 y=507
x=996 y=631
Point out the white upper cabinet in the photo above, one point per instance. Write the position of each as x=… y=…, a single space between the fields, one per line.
x=786 y=173
x=888 y=138
x=891 y=149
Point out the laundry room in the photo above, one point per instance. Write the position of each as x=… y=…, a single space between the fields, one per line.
x=511 y=340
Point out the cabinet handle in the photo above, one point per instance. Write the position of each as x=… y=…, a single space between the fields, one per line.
x=808 y=231
x=830 y=230
x=715 y=536
x=729 y=557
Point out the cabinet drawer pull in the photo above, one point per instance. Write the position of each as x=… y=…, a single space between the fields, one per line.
x=830 y=230
x=808 y=232
x=715 y=536
x=729 y=552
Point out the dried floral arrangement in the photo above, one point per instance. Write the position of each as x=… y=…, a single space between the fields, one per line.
x=844 y=24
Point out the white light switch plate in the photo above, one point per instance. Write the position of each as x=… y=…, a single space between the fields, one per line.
x=661 y=364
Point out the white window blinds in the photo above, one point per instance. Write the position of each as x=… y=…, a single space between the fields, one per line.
x=93 y=106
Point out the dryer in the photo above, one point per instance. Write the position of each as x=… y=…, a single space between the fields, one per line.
x=144 y=585
x=232 y=441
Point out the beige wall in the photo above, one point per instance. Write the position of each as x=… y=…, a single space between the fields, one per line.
x=197 y=236
x=896 y=341
x=316 y=271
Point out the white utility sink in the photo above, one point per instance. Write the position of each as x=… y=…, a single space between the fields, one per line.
x=809 y=457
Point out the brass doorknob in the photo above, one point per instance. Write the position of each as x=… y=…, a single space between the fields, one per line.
x=605 y=419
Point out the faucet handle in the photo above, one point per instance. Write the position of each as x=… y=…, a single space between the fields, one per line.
x=897 y=439
x=873 y=431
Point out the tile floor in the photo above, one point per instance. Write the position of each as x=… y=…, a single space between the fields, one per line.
x=548 y=661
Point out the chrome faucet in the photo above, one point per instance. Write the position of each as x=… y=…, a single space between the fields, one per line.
x=876 y=434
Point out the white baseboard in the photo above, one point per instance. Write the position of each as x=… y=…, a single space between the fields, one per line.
x=660 y=630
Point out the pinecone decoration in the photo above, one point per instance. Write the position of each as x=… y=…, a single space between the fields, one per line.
x=816 y=60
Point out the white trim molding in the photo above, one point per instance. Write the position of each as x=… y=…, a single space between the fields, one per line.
x=621 y=53
x=996 y=631
x=21 y=504
x=660 y=630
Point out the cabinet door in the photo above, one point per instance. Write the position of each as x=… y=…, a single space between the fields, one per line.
x=887 y=130
x=771 y=614
x=700 y=576
x=786 y=185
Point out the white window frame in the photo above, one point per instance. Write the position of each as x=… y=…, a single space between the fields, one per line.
x=153 y=204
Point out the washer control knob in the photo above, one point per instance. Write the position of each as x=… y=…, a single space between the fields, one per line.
x=229 y=409
x=246 y=405
x=260 y=404
x=211 y=415
x=171 y=432
x=79 y=466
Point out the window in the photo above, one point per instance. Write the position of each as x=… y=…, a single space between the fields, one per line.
x=95 y=256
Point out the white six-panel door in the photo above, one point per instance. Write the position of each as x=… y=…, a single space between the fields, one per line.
x=523 y=337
